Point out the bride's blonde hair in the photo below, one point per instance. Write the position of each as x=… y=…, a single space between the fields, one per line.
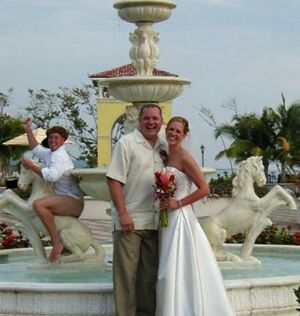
x=181 y=120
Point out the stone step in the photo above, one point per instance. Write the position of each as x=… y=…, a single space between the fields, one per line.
x=286 y=215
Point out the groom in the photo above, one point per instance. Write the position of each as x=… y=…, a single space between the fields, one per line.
x=135 y=238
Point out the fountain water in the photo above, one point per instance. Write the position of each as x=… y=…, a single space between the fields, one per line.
x=267 y=296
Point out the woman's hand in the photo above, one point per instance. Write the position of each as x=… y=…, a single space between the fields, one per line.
x=170 y=204
x=30 y=165
x=27 y=163
x=27 y=123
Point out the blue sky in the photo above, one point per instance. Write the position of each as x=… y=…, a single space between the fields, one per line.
x=242 y=49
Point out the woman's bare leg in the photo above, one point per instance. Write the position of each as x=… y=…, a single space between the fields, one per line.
x=52 y=205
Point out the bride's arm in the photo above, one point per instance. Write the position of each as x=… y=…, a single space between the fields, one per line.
x=193 y=171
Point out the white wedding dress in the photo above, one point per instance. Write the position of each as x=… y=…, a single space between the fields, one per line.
x=189 y=280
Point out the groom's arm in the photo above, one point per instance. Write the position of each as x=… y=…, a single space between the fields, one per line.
x=117 y=196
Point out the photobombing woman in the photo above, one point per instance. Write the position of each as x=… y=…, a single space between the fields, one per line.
x=67 y=199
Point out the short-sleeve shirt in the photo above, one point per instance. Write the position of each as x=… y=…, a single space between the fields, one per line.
x=58 y=167
x=133 y=163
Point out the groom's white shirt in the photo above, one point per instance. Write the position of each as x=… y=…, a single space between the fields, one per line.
x=133 y=163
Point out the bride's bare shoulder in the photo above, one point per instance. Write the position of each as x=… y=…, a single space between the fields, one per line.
x=186 y=156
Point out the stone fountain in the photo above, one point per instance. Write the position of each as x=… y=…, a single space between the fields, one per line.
x=142 y=88
x=258 y=297
x=144 y=54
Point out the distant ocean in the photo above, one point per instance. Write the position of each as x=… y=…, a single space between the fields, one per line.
x=222 y=172
x=273 y=173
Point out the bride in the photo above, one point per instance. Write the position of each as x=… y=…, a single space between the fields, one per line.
x=189 y=280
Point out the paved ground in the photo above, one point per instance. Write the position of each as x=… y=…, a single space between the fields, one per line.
x=284 y=217
x=95 y=216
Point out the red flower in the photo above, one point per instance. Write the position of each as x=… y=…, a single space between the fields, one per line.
x=164 y=189
x=296 y=238
x=8 y=231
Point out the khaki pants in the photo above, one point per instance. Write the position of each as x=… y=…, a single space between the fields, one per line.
x=135 y=264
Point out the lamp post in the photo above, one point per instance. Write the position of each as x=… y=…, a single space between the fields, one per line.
x=202 y=154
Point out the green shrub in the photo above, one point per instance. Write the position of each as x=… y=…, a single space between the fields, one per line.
x=11 y=238
x=222 y=186
x=297 y=293
x=274 y=235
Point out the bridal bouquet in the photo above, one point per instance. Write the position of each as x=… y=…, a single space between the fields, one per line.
x=164 y=188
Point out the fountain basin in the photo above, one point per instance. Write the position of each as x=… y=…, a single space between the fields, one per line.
x=92 y=182
x=49 y=293
x=141 y=89
x=250 y=296
x=135 y=11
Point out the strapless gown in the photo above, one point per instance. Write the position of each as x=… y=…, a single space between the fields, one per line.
x=189 y=279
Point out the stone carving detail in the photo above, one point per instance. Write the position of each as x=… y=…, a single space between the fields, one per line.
x=144 y=52
x=75 y=235
x=131 y=121
x=246 y=212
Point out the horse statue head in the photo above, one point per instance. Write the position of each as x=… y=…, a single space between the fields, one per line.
x=39 y=187
x=246 y=212
x=250 y=171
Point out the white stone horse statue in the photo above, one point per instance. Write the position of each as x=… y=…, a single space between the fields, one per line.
x=246 y=212
x=75 y=235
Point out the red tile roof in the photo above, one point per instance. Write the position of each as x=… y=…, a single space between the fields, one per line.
x=127 y=70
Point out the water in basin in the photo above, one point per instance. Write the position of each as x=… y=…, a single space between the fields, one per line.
x=16 y=268
x=272 y=265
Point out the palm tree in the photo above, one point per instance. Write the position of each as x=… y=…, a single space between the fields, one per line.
x=251 y=135
x=275 y=136
x=288 y=137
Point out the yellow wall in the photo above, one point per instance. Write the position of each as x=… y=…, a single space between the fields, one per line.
x=109 y=110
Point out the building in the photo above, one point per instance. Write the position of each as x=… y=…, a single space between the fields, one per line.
x=111 y=112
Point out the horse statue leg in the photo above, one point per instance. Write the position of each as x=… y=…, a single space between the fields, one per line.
x=77 y=239
x=28 y=230
x=278 y=197
x=11 y=205
x=259 y=224
x=78 y=255
x=275 y=198
x=216 y=235
x=10 y=198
